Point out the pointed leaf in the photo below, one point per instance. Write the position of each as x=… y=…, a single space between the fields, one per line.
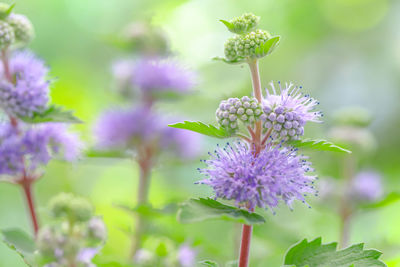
x=8 y=12
x=21 y=243
x=389 y=199
x=236 y=61
x=315 y=254
x=209 y=263
x=267 y=47
x=52 y=114
x=202 y=128
x=229 y=25
x=197 y=210
x=319 y=144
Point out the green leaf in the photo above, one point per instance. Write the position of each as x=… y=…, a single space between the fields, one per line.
x=267 y=47
x=236 y=61
x=228 y=25
x=197 y=210
x=202 y=128
x=389 y=199
x=52 y=114
x=320 y=144
x=147 y=210
x=314 y=254
x=21 y=243
x=8 y=12
x=232 y=264
x=107 y=154
x=208 y=263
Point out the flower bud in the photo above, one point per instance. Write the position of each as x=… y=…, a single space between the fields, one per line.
x=244 y=23
x=71 y=207
x=7 y=36
x=5 y=10
x=97 y=230
x=23 y=28
x=230 y=49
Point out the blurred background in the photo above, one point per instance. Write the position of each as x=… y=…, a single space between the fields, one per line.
x=343 y=52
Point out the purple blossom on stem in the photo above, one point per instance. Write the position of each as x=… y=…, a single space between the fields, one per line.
x=276 y=173
x=25 y=149
x=287 y=110
x=156 y=75
x=30 y=91
x=367 y=186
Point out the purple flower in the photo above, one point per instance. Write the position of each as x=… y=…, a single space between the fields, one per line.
x=121 y=129
x=186 y=256
x=86 y=255
x=287 y=111
x=367 y=186
x=127 y=129
x=30 y=92
x=122 y=71
x=28 y=148
x=276 y=173
x=155 y=75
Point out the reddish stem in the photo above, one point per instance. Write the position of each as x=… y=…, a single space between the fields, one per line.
x=6 y=66
x=245 y=245
x=26 y=184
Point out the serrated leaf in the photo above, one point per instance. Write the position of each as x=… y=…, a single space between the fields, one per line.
x=236 y=61
x=197 y=210
x=202 y=128
x=389 y=199
x=208 y=263
x=21 y=243
x=52 y=114
x=319 y=144
x=315 y=254
x=267 y=47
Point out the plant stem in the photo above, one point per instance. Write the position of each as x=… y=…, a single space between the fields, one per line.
x=256 y=141
x=6 y=66
x=26 y=184
x=245 y=245
x=145 y=164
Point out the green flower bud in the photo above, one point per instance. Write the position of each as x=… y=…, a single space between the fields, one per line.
x=7 y=36
x=230 y=49
x=246 y=44
x=244 y=23
x=5 y=10
x=23 y=28
x=97 y=229
x=71 y=207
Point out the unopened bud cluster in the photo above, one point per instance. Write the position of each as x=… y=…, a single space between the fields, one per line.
x=14 y=28
x=244 y=44
x=283 y=124
x=76 y=234
x=246 y=110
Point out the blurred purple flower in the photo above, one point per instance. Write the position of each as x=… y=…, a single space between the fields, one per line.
x=30 y=147
x=367 y=186
x=154 y=75
x=30 y=93
x=86 y=255
x=126 y=129
x=277 y=173
x=287 y=110
x=187 y=256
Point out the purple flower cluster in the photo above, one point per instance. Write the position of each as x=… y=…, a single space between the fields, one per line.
x=127 y=129
x=187 y=256
x=152 y=75
x=367 y=186
x=25 y=149
x=287 y=111
x=29 y=91
x=276 y=173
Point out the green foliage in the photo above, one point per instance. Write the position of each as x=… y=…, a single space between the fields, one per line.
x=319 y=144
x=53 y=114
x=5 y=10
x=202 y=128
x=197 y=210
x=314 y=254
x=21 y=243
x=148 y=211
x=267 y=47
x=389 y=199
x=235 y=61
x=209 y=263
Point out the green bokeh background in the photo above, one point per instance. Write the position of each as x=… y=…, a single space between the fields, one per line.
x=344 y=52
